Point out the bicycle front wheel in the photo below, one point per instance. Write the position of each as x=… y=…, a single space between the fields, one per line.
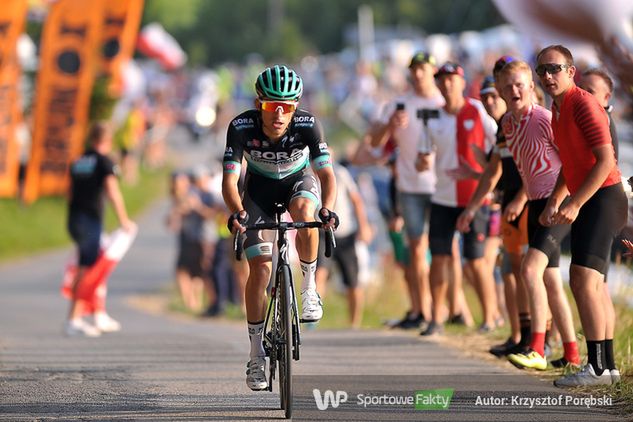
x=285 y=336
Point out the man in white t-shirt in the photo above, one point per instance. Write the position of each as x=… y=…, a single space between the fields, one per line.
x=400 y=121
x=462 y=126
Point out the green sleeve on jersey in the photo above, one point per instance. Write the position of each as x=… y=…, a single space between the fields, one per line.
x=322 y=161
x=232 y=167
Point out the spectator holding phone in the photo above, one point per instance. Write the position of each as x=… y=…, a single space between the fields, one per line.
x=413 y=189
x=462 y=125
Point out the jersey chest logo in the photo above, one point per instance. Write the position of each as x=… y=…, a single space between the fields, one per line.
x=278 y=155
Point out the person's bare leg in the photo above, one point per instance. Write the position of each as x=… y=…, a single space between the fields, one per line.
x=422 y=274
x=510 y=294
x=255 y=291
x=355 y=300
x=586 y=285
x=417 y=269
x=455 y=280
x=76 y=307
x=559 y=305
x=609 y=312
x=184 y=286
x=321 y=276
x=486 y=290
x=532 y=271
x=197 y=290
x=307 y=241
x=440 y=267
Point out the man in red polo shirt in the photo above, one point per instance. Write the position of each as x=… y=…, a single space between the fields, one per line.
x=597 y=208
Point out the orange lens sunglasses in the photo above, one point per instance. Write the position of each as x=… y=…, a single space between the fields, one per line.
x=286 y=107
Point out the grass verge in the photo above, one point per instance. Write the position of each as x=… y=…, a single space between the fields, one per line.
x=42 y=226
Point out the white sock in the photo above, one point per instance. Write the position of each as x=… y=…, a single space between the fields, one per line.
x=309 y=275
x=256 y=336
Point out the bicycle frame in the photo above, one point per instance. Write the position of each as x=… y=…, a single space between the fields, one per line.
x=272 y=313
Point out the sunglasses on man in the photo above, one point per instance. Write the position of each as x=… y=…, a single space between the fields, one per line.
x=551 y=68
x=274 y=106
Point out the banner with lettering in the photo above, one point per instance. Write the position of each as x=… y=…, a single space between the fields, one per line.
x=69 y=54
x=121 y=21
x=12 y=20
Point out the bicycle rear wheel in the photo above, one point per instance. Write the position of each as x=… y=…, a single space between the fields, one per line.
x=285 y=345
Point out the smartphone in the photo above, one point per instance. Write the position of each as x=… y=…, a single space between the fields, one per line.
x=400 y=106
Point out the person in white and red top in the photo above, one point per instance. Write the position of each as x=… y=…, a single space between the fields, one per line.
x=458 y=131
x=596 y=209
x=530 y=140
x=400 y=122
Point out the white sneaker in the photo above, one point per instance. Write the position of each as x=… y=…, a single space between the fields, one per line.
x=615 y=376
x=312 y=307
x=586 y=376
x=105 y=323
x=256 y=374
x=80 y=328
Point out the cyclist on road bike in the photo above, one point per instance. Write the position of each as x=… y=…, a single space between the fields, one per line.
x=279 y=142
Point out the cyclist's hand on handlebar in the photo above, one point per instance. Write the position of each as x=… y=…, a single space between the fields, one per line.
x=237 y=220
x=329 y=218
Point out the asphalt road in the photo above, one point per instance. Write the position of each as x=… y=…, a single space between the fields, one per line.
x=162 y=368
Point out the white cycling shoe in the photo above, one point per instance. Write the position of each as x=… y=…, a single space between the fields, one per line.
x=312 y=307
x=256 y=374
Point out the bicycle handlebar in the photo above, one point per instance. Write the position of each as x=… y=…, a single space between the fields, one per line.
x=330 y=241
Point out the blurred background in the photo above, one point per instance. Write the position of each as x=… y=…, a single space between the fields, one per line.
x=170 y=75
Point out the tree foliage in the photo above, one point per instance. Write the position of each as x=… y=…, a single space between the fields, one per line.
x=214 y=31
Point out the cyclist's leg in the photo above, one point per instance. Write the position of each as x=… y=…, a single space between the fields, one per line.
x=303 y=203
x=258 y=247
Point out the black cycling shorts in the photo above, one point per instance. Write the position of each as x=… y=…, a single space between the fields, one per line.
x=345 y=257
x=442 y=230
x=600 y=219
x=260 y=196
x=542 y=238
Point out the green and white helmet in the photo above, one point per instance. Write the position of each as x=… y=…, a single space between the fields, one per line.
x=279 y=83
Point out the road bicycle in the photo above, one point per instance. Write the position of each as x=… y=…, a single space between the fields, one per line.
x=282 y=332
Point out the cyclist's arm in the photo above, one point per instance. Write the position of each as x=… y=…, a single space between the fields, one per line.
x=231 y=170
x=328 y=187
x=230 y=192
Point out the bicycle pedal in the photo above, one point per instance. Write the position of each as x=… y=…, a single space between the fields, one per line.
x=309 y=321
